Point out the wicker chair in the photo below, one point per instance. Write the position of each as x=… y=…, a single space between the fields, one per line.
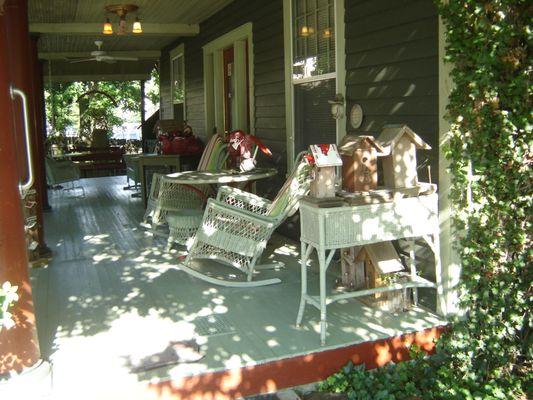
x=236 y=226
x=153 y=198
x=60 y=172
x=132 y=171
x=180 y=206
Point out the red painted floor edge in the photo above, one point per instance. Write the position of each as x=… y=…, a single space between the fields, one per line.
x=294 y=371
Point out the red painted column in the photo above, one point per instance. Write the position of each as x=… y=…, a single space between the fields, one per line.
x=19 y=346
x=38 y=131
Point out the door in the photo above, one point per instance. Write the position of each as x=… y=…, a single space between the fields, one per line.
x=315 y=71
x=19 y=348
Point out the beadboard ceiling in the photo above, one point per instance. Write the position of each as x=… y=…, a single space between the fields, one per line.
x=67 y=29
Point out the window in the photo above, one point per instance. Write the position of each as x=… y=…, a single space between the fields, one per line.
x=313 y=38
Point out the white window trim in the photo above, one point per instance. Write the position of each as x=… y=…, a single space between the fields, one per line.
x=339 y=74
x=214 y=89
x=175 y=53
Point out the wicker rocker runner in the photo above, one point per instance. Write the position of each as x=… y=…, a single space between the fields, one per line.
x=181 y=206
x=236 y=226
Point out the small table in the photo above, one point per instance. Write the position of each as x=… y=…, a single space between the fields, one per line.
x=223 y=177
x=173 y=161
x=328 y=229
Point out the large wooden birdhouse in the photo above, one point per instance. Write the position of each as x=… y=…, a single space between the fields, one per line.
x=400 y=144
x=359 y=163
x=379 y=259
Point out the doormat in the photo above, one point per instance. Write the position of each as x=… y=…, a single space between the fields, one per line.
x=185 y=351
x=213 y=325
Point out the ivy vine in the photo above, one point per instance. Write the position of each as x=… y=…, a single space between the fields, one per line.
x=487 y=353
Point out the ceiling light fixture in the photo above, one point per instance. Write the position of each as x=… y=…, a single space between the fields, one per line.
x=121 y=10
x=137 y=27
x=108 y=28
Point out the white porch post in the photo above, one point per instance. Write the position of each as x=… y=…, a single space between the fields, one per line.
x=451 y=268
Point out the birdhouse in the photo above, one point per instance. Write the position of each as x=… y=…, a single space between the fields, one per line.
x=326 y=158
x=400 y=144
x=379 y=259
x=359 y=163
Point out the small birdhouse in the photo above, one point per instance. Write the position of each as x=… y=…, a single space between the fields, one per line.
x=400 y=144
x=326 y=158
x=359 y=163
x=379 y=260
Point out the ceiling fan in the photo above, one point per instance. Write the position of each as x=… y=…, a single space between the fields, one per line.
x=101 y=56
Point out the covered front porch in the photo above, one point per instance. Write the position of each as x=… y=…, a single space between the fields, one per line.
x=111 y=296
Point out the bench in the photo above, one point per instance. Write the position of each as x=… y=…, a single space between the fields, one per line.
x=96 y=161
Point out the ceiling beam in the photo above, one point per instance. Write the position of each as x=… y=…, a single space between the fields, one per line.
x=96 y=28
x=140 y=54
x=97 y=77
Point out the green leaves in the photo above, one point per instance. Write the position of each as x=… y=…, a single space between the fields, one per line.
x=487 y=353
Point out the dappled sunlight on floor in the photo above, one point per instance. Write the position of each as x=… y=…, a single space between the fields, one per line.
x=112 y=292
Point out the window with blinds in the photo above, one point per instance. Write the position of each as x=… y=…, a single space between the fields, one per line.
x=313 y=38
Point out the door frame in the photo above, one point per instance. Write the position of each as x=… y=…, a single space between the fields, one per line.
x=242 y=41
x=339 y=74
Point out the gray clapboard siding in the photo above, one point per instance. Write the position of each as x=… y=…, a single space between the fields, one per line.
x=269 y=90
x=392 y=67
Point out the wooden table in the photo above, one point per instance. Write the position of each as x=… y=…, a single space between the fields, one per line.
x=328 y=229
x=173 y=162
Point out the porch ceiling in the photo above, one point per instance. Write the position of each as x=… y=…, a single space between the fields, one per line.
x=68 y=29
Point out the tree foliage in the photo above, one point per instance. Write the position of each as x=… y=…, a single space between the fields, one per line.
x=90 y=105
x=487 y=353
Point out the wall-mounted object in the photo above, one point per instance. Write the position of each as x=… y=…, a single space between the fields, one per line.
x=356 y=116
x=359 y=163
x=400 y=144
x=337 y=106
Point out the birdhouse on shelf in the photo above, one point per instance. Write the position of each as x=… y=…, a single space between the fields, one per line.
x=326 y=158
x=400 y=144
x=359 y=163
x=379 y=260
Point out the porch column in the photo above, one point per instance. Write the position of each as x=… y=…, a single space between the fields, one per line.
x=451 y=264
x=39 y=134
x=20 y=357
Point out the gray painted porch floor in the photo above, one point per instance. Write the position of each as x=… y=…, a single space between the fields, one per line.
x=112 y=292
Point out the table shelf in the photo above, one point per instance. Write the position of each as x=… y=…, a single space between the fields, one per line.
x=325 y=230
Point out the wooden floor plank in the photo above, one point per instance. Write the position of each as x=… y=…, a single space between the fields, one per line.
x=111 y=291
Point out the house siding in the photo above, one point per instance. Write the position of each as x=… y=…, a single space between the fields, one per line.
x=268 y=69
x=391 y=71
x=392 y=68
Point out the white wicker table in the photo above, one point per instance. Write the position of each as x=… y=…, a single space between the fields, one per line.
x=328 y=229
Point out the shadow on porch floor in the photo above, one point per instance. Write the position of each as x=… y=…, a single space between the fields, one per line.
x=111 y=293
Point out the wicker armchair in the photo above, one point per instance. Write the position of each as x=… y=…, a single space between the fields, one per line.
x=60 y=172
x=181 y=206
x=236 y=226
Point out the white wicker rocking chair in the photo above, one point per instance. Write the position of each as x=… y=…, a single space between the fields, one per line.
x=181 y=206
x=236 y=226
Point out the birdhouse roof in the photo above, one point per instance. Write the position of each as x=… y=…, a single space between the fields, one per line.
x=391 y=134
x=384 y=257
x=350 y=143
